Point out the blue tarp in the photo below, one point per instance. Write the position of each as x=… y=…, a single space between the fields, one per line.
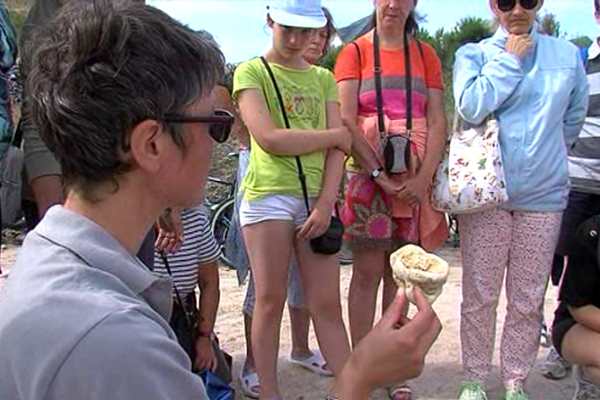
x=356 y=29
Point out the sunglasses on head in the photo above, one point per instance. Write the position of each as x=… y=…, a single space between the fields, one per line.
x=221 y=122
x=509 y=5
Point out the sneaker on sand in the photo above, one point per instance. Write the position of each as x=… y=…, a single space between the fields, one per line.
x=472 y=391
x=515 y=394
x=555 y=367
x=584 y=389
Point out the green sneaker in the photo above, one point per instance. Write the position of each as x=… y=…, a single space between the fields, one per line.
x=472 y=391
x=515 y=394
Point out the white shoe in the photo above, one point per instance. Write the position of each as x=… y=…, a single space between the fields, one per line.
x=555 y=367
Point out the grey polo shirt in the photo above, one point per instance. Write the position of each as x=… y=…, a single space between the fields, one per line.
x=83 y=319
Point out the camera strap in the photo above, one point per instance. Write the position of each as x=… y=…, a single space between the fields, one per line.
x=301 y=175
x=378 y=88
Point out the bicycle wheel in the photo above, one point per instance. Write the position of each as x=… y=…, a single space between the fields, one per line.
x=220 y=222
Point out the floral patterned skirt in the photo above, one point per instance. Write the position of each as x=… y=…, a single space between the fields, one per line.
x=367 y=217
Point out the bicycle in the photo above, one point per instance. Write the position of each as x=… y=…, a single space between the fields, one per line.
x=221 y=213
x=221 y=210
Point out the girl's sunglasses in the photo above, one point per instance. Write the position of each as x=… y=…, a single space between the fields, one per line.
x=220 y=122
x=509 y=5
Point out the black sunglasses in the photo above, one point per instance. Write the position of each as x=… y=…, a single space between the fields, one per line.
x=221 y=122
x=508 y=5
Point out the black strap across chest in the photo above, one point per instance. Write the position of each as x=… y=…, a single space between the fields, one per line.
x=286 y=121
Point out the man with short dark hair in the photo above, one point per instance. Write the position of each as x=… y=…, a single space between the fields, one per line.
x=122 y=95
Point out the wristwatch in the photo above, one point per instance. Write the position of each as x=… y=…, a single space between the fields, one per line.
x=375 y=173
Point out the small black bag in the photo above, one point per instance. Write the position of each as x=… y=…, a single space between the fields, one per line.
x=392 y=148
x=183 y=323
x=329 y=242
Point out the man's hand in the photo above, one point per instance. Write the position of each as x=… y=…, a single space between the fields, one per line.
x=393 y=351
x=205 y=355
x=317 y=222
x=170 y=232
x=413 y=190
x=519 y=45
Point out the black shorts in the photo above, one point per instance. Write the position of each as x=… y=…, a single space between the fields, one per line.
x=559 y=331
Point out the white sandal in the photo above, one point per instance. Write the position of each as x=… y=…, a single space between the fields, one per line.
x=315 y=363
x=249 y=383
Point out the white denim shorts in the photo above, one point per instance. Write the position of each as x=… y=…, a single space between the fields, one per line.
x=279 y=207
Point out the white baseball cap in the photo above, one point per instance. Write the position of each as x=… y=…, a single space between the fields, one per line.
x=298 y=13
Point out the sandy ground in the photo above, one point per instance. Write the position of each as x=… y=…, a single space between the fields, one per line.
x=442 y=375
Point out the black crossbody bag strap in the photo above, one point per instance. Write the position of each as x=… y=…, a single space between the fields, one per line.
x=409 y=122
x=378 y=88
x=378 y=94
x=301 y=175
x=178 y=298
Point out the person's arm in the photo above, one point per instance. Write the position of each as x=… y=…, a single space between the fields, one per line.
x=481 y=87
x=361 y=150
x=415 y=189
x=394 y=350
x=208 y=282
x=210 y=295
x=320 y=216
x=286 y=142
x=578 y=104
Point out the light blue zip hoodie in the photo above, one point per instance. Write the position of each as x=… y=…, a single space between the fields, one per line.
x=540 y=103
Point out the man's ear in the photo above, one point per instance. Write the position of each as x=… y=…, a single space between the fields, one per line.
x=539 y=6
x=147 y=144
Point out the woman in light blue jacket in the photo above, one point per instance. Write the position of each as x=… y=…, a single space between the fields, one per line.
x=535 y=86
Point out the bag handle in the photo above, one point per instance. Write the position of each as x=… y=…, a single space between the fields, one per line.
x=301 y=175
x=408 y=77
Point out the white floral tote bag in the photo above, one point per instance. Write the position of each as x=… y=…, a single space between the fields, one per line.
x=470 y=177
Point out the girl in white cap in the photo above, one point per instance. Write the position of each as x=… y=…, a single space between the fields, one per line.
x=273 y=213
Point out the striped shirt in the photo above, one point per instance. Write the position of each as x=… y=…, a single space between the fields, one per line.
x=199 y=247
x=584 y=156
